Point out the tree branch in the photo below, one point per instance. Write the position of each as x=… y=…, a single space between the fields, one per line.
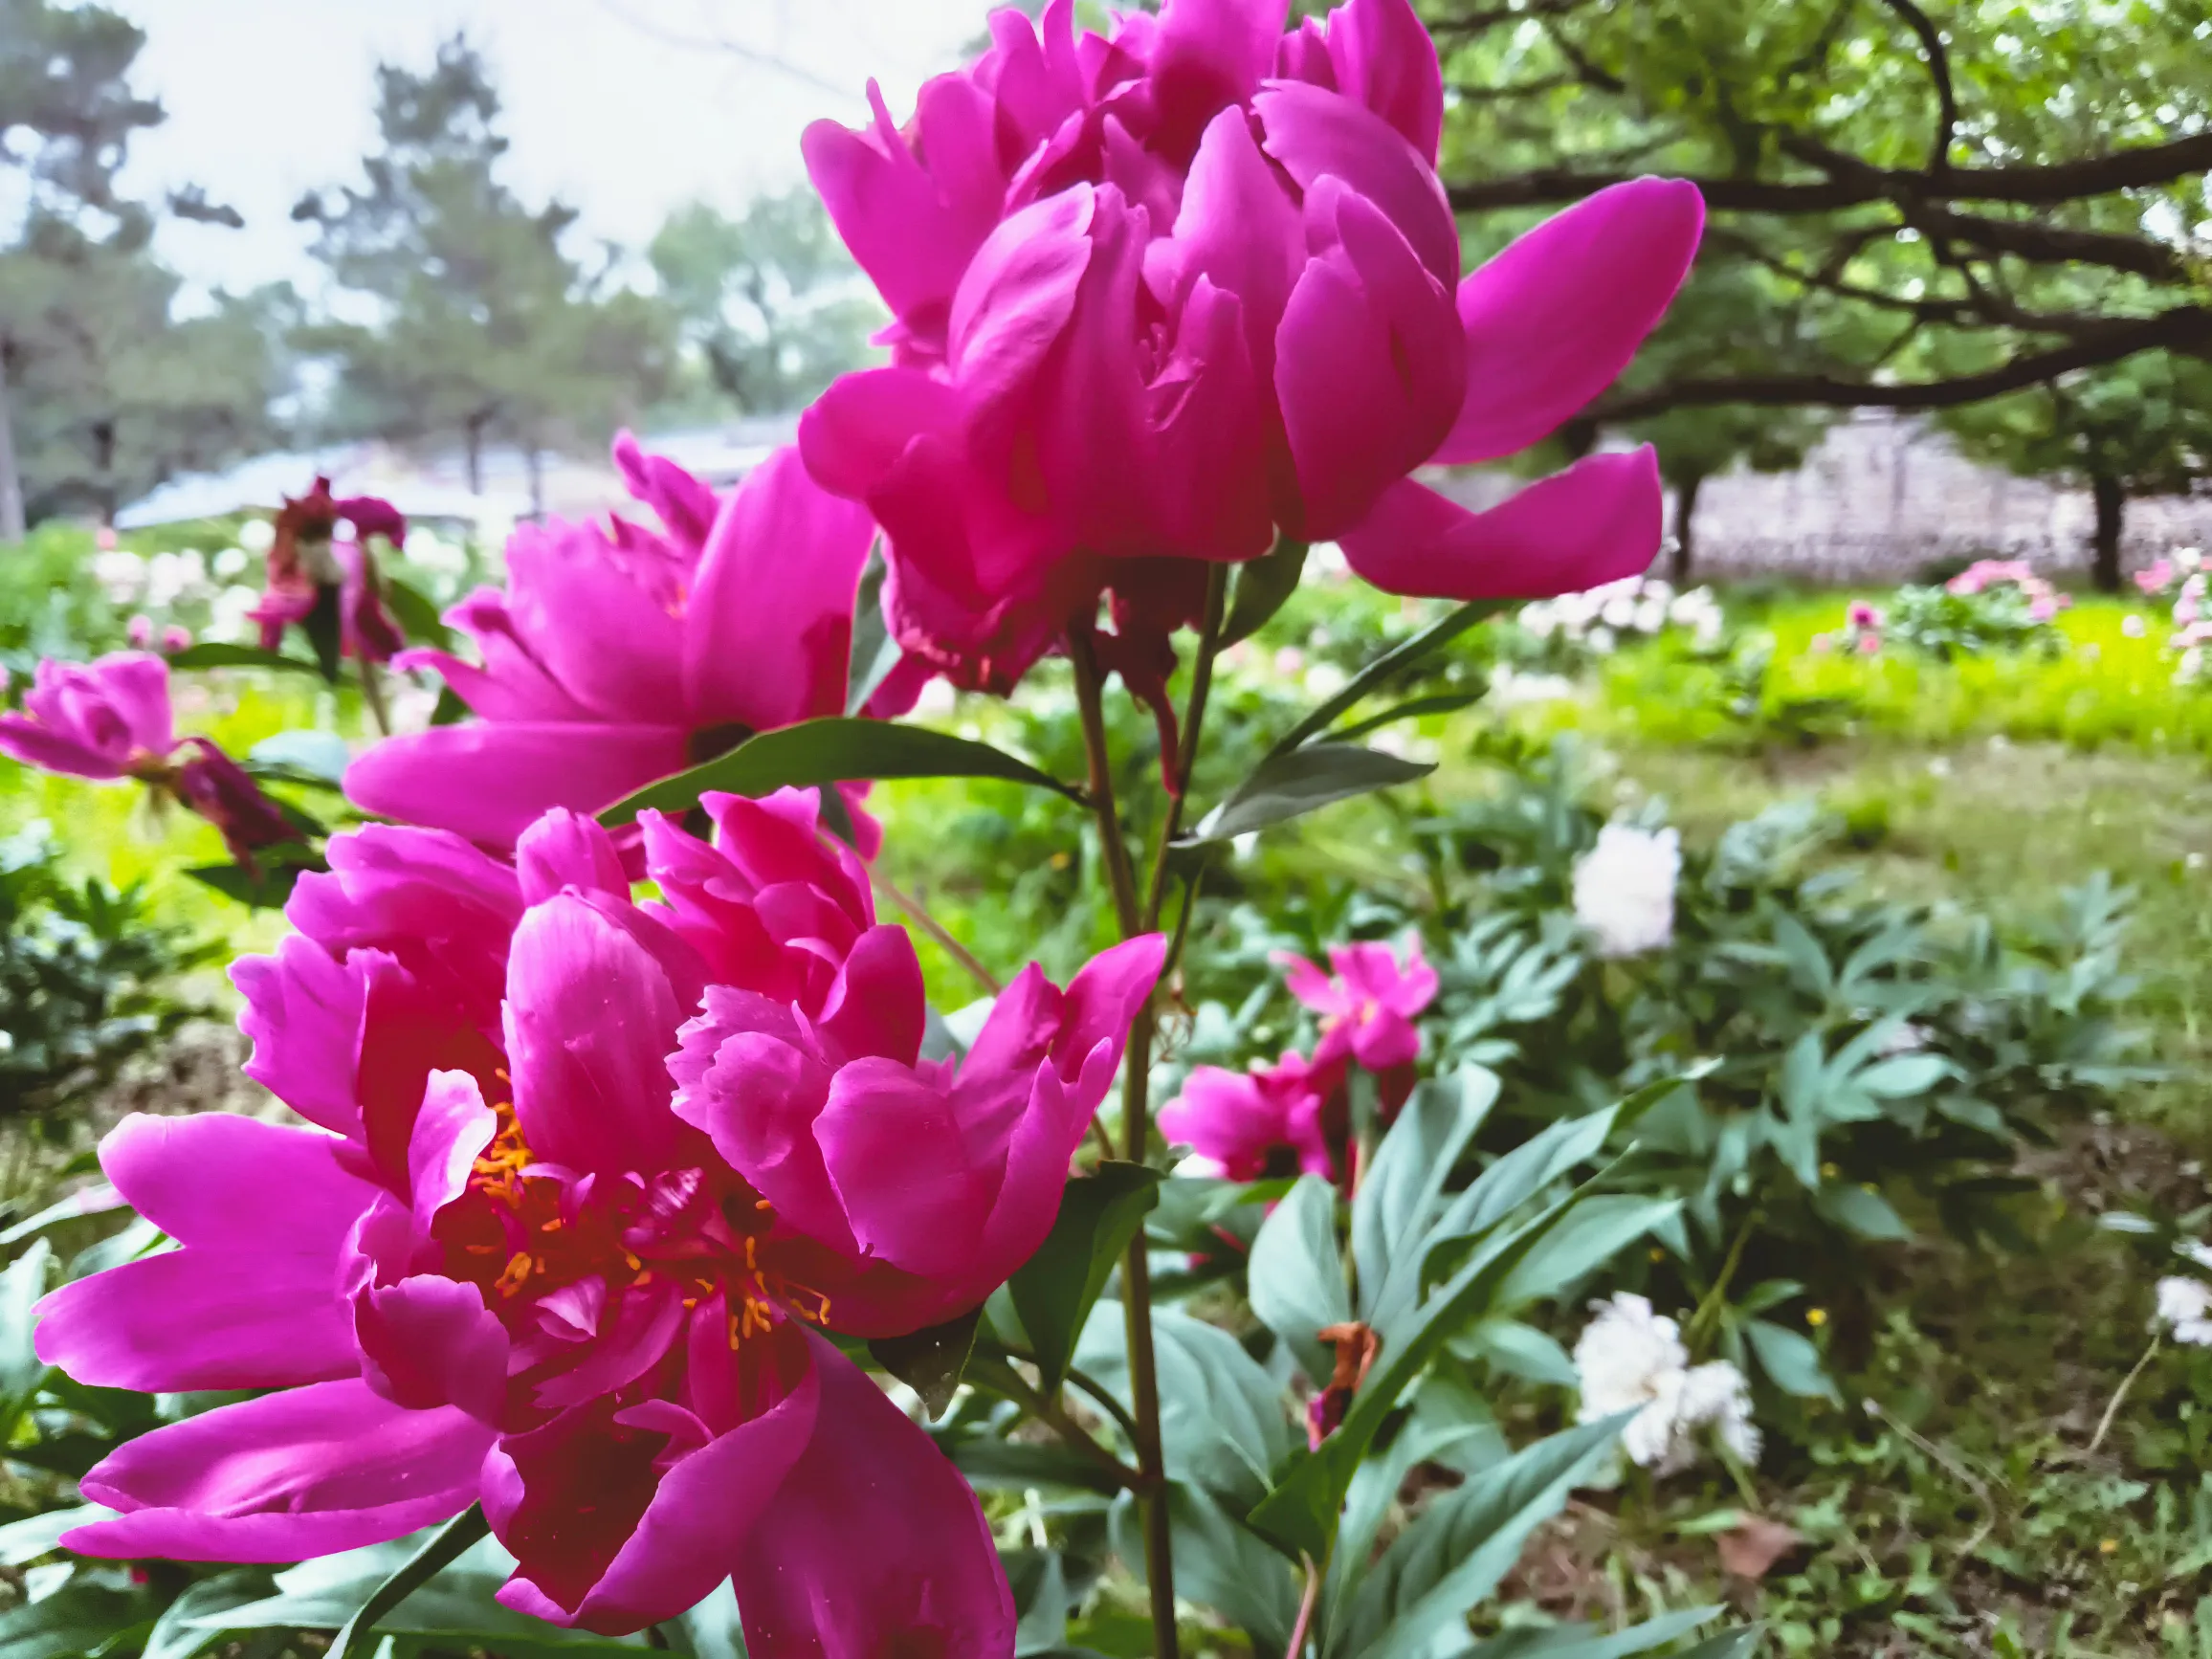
x=1939 y=72
x=2136 y=168
x=2181 y=328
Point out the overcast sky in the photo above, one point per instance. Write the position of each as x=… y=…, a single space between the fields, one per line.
x=625 y=108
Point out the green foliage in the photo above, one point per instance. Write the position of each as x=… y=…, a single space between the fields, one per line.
x=1945 y=624
x=87 y=978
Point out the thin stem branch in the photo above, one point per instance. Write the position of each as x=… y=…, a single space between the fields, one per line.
x=914 y=911
x=2113 y=1406
x=1104 y=1399
x=1136 y=1268
x=1047 y=1409
x=372 y=693
x=1306 y=1604
x=1187 y=753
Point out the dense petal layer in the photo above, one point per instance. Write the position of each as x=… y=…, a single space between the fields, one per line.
x=924 y=1579
x=1554 y=317
x=489 y=782
x=308 y=1471
x=1596 y=522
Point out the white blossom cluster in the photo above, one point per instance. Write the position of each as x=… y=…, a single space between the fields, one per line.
x=1625 y=888
x=1630 y=1358
x=2185 y=1304
x=1635 y=608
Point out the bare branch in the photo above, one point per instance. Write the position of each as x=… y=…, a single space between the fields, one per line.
x=2184 y=328
x=1939 y=72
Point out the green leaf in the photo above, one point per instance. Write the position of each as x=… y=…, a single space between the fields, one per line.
x=1221 y=1424
x=1264 y=585
x=832 y=751
x=1519 y=1350
x=1039 y=1584
x=1220 y=1563
x=1857 y=1210
x=304 y=755
x=710 y=1630
x=1391 y=662
x=1450 y=1424
x=1902 y=1076
x=1055 y=1289
x=1598 y=1231
x=1300 y=1512
x=1728 y=1645
x=1412 y=709
x=930 y=1362
x=1398 y=1196
x=875 y=653
x=24 y=1542
x=258 y=887
x=21 y=1370
x=1790 y=1361
x=1455 y=1555
x=180 y=1633
x=79 y=1618
x=411 y=608
x=1294 y=1277
x=1586 y=1642
x=994 y=1465
x=1288 y=785
x=356 y=1638
x=214 y=654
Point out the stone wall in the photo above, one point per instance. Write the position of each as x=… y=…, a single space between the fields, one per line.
x=1883 y=497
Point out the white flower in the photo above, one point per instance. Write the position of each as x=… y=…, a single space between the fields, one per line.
x=1620 y=612
x=2131 y=627
x=1625 y=888
x=226 y=614
x=2185 y=1308
x=1651 y=616
x=232 y=561
x=119 y=574
x=256 y=535
x=1323 y=681
x=1601 y=641
x=1630 y=1359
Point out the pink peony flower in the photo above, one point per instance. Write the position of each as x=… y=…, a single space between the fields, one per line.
x=310 y=570
x=562 y=1243
x=110 y=718
x=2154 y=577
x=1367 y=1007
x=621 y=656
x=139 y=631
x=1271 y=1120
x=1863 y=615
x=175 y=637
x=1160 y=294
x=1870 y=644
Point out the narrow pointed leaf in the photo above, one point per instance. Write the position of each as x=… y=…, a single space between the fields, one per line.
x=356 y=1638
x=1377 y=672
x=1263 y=586
x=930 y=1362
x=875 y=653
x=1055 y=1289
x=1289 y=785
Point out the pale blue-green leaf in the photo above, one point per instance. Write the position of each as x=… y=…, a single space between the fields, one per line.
x=1294 y=1277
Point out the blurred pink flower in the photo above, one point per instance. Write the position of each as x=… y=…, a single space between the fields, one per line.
x=139 y=631
x=1367 y=1005
x=2154 y=577
x=1863 y=615
x=1161 y=293
x=175 y=637
x=1269 y=1121
x=1870 y=644
x=622 y=655
x=311 y=573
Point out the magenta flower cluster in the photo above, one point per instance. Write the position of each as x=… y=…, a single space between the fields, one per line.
x=585 y=1189
x=1295 y=1117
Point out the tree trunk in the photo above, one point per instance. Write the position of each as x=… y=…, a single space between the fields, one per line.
x=12 y=524
x=2111 y=501
x=535 y=458
x=1684 y=524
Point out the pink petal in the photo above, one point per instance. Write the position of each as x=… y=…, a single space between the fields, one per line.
x=915 y=1181
x=1554 y=317
x=928 y=1579
x=308 y=1471
x=565 y=850
x=1317 y=135
x=1596 y=522
x=877 y=1005
x=1208 y=53
x=489 y=782
x=854 y=433
x=222 y=1181
x=1368 y=366
x=769 y=625
x=685 y=507
x=1213 y=428
x=303 y=1016
x=24 y=739
x=1307 y=981
x=604 y=633
x=1381 y=54
x=590 y=1015
x=1241 y=228
x=1015 y=305
x=429 y=1341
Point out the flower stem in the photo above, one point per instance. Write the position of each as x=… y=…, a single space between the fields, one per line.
x=1135 y=1267
x=1186 y=755
x=1306 y=1603
x=372 y=693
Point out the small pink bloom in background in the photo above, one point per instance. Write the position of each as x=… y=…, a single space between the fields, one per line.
x=2043 y=608
x=139 y=631
x=622 y=655
x=175 y=637
x=1367 y=1006
x=1271 y=1120
x=107 y=718
x=310 y=569
x=1823 y=643
x=1863 y=615
x=1161 y=294
x=2154 y=576
x=111 y=718
x=1870 y=644
x=103 y=539
x=586 y=1180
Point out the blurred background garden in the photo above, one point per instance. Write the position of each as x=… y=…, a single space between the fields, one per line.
x=1886 y=798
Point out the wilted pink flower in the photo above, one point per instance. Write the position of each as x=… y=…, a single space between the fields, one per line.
x=514 y=1263
x=1367 y=1007
x=1161 y=293
x=1279 y=1119
x=110 y=718
x=623 y=655
x=311 y=571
